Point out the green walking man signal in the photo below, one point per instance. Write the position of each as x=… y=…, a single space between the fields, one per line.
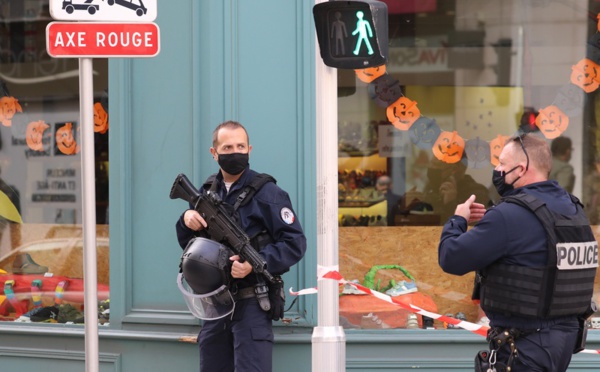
x=352 y=34
x=364 y=31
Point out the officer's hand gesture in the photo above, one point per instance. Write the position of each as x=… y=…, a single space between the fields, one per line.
x=471 y=211
x=193 y=220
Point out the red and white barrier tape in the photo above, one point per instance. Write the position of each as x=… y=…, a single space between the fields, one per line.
x=472 y=327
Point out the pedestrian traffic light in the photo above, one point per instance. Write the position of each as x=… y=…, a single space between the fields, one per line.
x=352 y=34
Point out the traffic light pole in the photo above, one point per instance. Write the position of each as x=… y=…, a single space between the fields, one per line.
x=328 y=338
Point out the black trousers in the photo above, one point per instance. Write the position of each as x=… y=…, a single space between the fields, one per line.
x=242 y=342
x=548 y=350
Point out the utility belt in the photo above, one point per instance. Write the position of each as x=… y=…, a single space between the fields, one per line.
x=270 y=296
x=243 y=293
x=499 y=337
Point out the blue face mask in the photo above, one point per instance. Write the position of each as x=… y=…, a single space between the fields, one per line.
x=499 y=181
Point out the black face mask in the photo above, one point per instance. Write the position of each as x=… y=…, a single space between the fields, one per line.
x=499 y=181
x=234 y=163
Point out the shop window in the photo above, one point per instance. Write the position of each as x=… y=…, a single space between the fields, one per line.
x=421 y=134
x=41 y=233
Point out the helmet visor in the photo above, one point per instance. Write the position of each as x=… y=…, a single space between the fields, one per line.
x=208 y=306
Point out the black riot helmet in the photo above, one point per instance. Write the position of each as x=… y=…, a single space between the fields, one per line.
x=204 y=279
x=205 y=265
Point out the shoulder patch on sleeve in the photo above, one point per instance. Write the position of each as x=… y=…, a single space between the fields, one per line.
x=287 y=215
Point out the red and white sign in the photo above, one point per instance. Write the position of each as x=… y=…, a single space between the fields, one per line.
x=102 y=40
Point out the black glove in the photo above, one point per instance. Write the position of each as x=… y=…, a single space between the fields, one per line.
x=277 y=299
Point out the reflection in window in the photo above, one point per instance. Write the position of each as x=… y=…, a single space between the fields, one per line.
x=418 y=139
x=41 y=253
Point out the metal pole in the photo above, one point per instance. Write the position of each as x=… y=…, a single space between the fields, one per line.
x=328 y=338
x=90 y=275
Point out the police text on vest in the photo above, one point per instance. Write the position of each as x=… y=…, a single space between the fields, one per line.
x=580 y=255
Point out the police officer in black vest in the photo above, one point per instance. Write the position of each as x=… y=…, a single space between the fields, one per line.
x=243 y=341
x=535 y=259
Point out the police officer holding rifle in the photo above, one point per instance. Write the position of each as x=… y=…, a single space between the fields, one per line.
x=265 y=242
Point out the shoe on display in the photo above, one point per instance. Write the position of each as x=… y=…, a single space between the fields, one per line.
x=402 y=287
x=484 y=321
x=349 y=289
x=372 y=321
x=24 y=264
x=412 y=322
x=44 y=314
x=67 y=313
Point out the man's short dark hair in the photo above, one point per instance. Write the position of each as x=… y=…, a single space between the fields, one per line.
x=230 y=124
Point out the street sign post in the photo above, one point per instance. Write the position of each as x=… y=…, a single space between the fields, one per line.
x=135 y=36
x=98 y=40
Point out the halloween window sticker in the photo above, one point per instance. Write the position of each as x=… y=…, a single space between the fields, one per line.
x=384 y=90
x=36 y=136
x=552 y=122
x=585 y=75
x=403 y=113
x=369 y=74
x=100 y=118
x=449 y=147
x=424 y=132
x=496 y=146
x=478 y=153
x=9 y=106
x=66 y=135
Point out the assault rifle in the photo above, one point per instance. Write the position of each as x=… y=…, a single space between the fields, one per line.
x=220 y=225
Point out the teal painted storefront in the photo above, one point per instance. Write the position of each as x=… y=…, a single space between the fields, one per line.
x=247 y=60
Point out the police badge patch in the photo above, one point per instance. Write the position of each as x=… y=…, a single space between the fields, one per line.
x=287 y=215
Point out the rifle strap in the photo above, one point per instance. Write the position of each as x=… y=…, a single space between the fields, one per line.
x=257 y=182
x=253 y=186
x=211 y=183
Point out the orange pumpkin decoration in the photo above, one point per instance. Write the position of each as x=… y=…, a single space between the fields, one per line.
x=369 y=74
x=552 y=122
x=65 y=140
x=34 y=135
x=403 y=113
x=496 y=146
x=598 y=23
x=585 y=75
x=100 y=119
x=9 y=106
x=449 y=147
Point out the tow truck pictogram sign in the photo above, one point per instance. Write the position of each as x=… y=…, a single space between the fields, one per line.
x=104 y=10
x=103 y=29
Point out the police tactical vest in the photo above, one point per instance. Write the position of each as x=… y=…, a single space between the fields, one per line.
x=564 y=286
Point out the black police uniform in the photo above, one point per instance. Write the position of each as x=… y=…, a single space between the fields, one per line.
x=512 y=235
x=244 y=341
